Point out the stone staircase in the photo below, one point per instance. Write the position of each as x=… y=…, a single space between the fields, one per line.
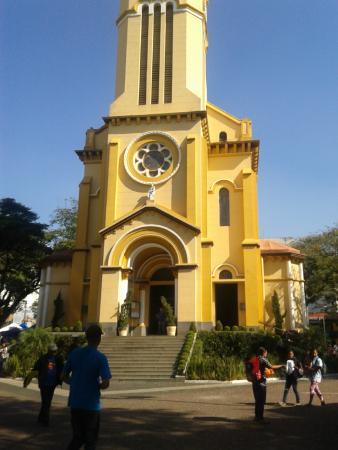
x=142 y=358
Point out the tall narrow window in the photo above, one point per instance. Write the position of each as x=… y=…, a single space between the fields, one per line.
x=156 y=55
x=168 y=75
x=224 y=208
x=144 y=56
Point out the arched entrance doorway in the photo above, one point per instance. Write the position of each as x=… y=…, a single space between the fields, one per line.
x=151 y=278
x=162 y=284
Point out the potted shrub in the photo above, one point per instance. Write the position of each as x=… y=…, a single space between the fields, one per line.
x=170 y=318
x=123 y=316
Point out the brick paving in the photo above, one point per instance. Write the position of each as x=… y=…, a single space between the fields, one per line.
x=175 y=416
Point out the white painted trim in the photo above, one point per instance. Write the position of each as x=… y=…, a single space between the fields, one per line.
x=41 y=296
x=154 y=260
x=149 y=181
x=291 y=300
x=226 y=266
x=142 y=305
x=144 y=227
x=264 y=292
x=221 y=181
x=302 y=296
x=145 y=247
x=46 y=296
x=123 y=290
x=177 y=10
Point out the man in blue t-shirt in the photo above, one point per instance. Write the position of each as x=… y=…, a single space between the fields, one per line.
x=87 y=371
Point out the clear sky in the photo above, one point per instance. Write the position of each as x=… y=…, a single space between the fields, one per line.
x=275 y=61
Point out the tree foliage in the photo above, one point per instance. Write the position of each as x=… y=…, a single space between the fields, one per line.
x=279 y=317
x=62 y=228
x=22 y=246
x=320 y=265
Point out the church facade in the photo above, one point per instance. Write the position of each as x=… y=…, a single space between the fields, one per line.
x=168 y=202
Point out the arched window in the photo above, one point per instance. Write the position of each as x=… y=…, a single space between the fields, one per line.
x=144 y=56
x=225 y=275
x=223 y=137
x=169 y=42
x=156 y=55
x=224 y=208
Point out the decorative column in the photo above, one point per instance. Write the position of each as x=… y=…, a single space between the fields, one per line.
x=74 y=306
x=142 y=311
x=110 y=166
x=42 y=299
x=291 y=300
x=254 y=301
x=192 y=183
x=206 y=317
x=186 y=293
x=302 y=296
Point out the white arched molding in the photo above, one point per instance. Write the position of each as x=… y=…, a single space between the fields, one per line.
x=152 y=264
x=140 y=249
x=219 y=184
x=146 y=227
x=152 y=5
x=231 y=268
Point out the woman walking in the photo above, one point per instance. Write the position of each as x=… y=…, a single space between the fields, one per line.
x=316 y=378
x=293 y=372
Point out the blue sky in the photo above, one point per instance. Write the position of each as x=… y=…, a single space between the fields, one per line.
x=273 y=61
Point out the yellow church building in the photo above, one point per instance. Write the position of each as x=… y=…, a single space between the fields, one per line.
x=168 y=200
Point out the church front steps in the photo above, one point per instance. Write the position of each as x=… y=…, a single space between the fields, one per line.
x=142 y=358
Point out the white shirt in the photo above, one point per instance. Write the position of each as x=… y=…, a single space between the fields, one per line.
x=317 y=374
x=290 y=366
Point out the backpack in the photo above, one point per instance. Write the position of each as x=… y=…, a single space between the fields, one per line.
x=252 y=370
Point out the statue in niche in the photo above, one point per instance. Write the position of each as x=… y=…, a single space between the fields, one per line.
x=151 y=193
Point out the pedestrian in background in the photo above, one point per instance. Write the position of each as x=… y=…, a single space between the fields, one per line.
x=87 y=371
x=3 y=354
x=47 y=369
x=293 y=372
x=316 y=378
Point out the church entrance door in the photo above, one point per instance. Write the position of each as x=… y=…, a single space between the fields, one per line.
x=156 y=292
x=227 y=304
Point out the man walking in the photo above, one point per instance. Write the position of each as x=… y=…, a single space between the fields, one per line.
x=48 y=369
x=87 y=371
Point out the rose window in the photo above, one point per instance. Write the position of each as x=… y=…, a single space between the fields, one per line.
x=153 y=159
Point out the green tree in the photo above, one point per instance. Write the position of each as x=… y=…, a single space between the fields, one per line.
x=320 y=265
x=62 y=228
x=279 y=317
x=22 y=246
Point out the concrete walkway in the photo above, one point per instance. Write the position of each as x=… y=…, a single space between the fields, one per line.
x=185 y=416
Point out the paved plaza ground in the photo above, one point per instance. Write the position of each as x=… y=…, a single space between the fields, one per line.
x=176 y=416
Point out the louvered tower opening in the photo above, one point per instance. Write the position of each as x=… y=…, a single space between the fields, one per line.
x=168 y=74
x=144 y=56
x=156 y=55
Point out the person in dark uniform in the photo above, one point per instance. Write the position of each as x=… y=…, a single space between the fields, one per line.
x=48 y=370
x=259 y=383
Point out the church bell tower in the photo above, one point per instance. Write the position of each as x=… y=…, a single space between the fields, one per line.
x=161 y=63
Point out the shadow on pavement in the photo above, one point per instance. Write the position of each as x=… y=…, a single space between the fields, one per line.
x=144 y=429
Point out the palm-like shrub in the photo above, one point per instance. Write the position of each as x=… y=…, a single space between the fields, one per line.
x=31 y=345
x=170 y=317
